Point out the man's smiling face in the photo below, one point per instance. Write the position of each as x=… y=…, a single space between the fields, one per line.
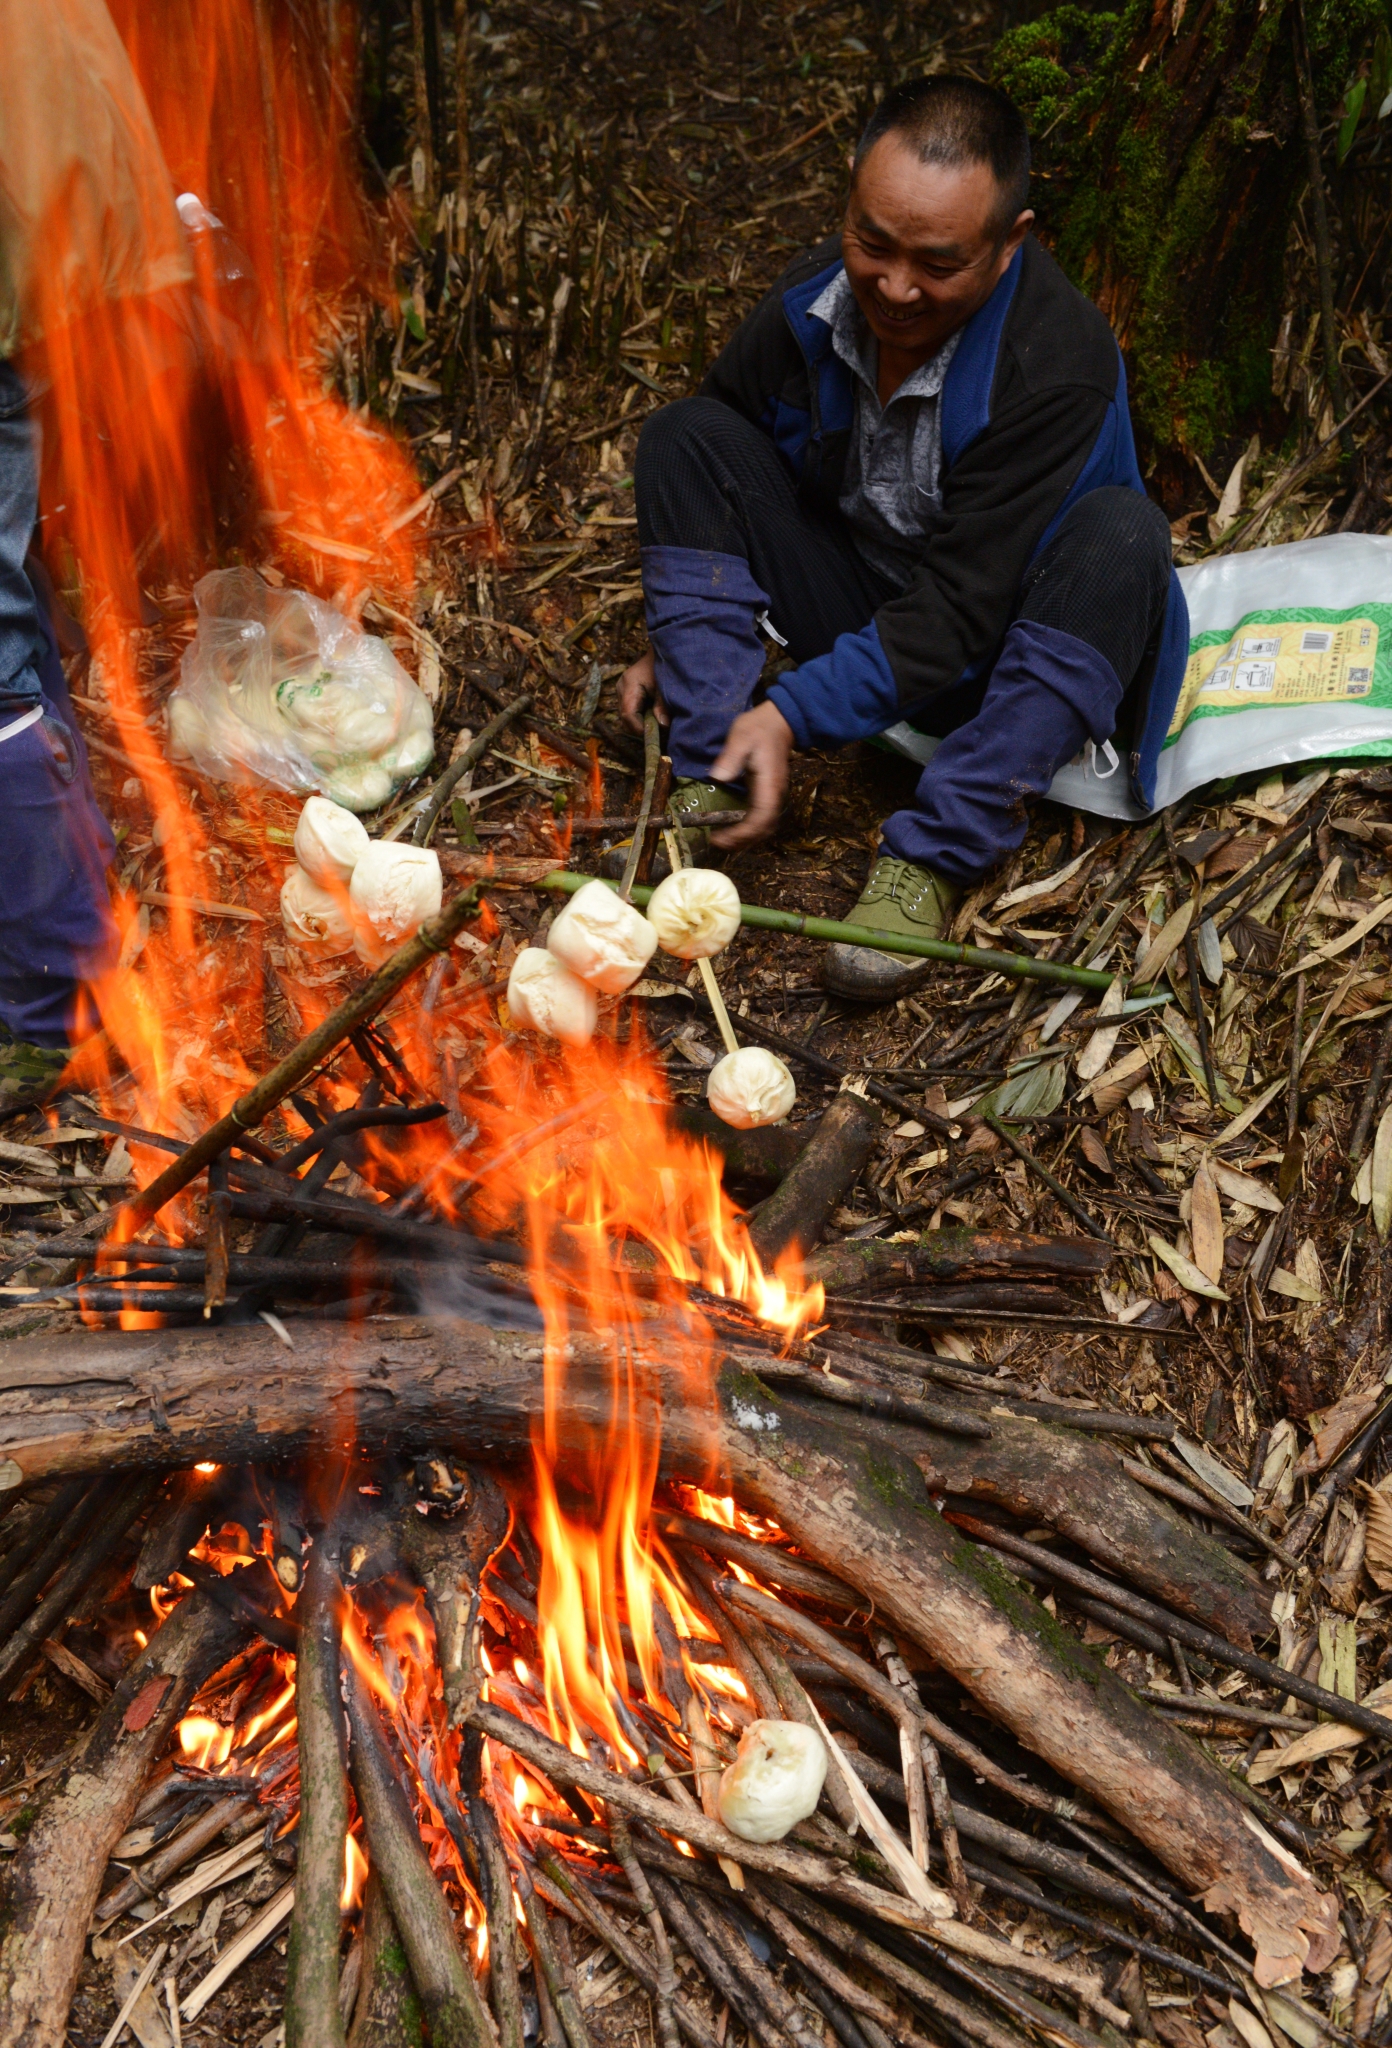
x=923 y=244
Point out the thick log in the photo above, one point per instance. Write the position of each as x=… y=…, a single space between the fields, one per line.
x=52 y=1884
x=448 y=1558
x=857 y=1265
x=853 y=1499
x=843 y=1489
x=1077 y=1485
x=796 y=1214
x=766 y=1154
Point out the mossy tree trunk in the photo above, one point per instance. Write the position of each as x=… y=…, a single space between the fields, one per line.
x=1170 y=160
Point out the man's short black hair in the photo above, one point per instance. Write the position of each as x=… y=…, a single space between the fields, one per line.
x=954 y=121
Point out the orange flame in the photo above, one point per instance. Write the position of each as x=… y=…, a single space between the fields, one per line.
x=355 y=1869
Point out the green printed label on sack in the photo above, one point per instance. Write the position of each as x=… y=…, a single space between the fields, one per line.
x=1287 y=659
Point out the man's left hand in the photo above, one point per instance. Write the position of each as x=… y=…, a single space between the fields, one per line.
x=756 y=751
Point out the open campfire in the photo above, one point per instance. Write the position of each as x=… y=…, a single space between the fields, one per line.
x=456 y=1583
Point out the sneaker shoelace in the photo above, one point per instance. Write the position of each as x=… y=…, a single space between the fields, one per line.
x=898 y=881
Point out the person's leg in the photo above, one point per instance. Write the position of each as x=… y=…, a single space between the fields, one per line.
x=55 y=917
x=724 y=540
x=20 y=638
x=1090 y=611
x=1090 y=607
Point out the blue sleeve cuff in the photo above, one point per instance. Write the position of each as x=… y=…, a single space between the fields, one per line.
x=846 y=695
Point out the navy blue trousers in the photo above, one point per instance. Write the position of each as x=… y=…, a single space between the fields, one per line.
x=56 y=928
x=726 y=539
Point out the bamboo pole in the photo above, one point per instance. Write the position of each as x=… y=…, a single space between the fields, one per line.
x=760 y=919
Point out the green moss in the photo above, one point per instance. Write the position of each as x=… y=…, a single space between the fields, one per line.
x=1167 y=181
x=23 y=1821
x=1024 y=1612
x=889 y=1485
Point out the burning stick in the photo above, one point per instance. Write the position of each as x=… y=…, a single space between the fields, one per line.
x=311 y=1990
x=121 y=1506
x=456 y=2013
x=55 y=1878
x=495 y=1882
x=386 y=2007
x=434 y=937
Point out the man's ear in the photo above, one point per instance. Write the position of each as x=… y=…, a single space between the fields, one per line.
x=1022 y=224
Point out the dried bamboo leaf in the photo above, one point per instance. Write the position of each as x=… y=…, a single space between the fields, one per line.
x=1236 y=1492
x=1380 y=1183
x=1334 y=947
x=1210 y=951
x=1243 y=1187
x=1180 y=1033
x=1377 y=1557
x=1185 y=1271
x=1153 y=961
x=1326 y=1740
x=1206 y=1225
x=1100 y=1047
x=1094 y=1150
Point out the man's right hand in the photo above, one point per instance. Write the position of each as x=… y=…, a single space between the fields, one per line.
x=756 y=752
x=636 y=686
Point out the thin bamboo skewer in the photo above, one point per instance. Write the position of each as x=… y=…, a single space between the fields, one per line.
x=759 y=918
x=707 y=972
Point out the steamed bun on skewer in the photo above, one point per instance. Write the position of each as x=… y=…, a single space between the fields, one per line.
x=750 y=1087
x=394 y=890
x=602 y=939
x=695 y=913
x=543 y=995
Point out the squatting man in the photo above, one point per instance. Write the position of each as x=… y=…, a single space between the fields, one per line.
x=914 y=464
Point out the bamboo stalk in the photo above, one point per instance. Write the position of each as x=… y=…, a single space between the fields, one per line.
x=760 y=919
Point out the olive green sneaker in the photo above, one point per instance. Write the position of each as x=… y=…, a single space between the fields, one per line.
x=28 y=1073
x=697 y=805
x=898 y=897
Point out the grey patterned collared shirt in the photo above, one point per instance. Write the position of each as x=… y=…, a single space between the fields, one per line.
x=892 y=482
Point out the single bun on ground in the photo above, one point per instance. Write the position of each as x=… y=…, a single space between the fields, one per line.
x=774 y=1782
x=315 y=917
x=394 y=890
x=329 y=841
x=750 y=1087
x=602 y=939
x=695 y=913
x=543 y=995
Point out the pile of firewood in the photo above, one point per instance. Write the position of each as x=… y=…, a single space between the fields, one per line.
x=887 y=1594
